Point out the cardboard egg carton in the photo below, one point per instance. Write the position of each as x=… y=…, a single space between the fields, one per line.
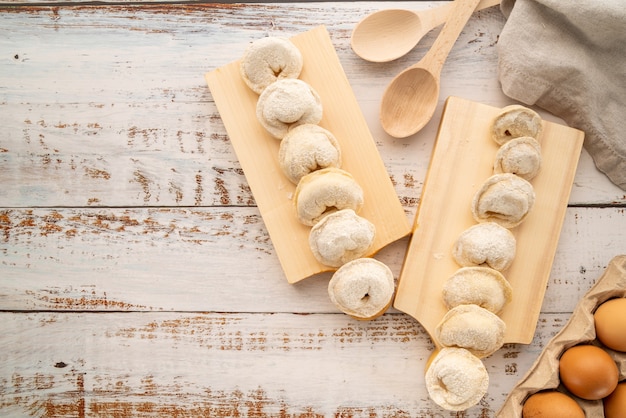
x=580 y=329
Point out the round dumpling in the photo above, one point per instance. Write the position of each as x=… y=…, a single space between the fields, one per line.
x=505 y=199
x=341 y=237
x=515 y=121
x=362 y=288
x=269 y=59
x=307 y=148
x=287 y=103
x=456 y=379
x=326 y=191
x=476 y=329
x=482 y=286
x=519 y=156
x=485 y=243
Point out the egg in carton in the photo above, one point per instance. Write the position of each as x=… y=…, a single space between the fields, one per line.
x=580 y=331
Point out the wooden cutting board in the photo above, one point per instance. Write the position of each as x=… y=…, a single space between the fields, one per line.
x=257 y=152
x=462 y=160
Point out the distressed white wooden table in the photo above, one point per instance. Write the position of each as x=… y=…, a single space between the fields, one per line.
x=136 y=276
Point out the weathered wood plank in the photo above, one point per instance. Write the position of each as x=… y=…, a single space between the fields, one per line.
x=132 y=122
x=78 y=156
x=224 y=365
x=121 y=198
x=191 y=260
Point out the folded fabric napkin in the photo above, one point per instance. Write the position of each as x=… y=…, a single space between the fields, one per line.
x=569 y=58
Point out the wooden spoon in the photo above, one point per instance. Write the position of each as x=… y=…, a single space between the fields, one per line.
x=386 y=35
x=410 y=99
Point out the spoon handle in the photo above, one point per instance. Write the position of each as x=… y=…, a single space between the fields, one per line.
x=459 y=15
x=431 y=18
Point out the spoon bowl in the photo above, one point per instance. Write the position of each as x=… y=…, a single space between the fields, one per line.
x=409 y=101
x=388 y=34
x=414 y=95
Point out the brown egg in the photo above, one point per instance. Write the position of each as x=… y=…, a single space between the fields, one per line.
x=615 y=403
x=610 y=322
x=588 y=372
x=551 y=404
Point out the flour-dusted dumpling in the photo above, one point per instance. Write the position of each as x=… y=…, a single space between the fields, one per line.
x=456 y=379
x=326 y=191
x=362 y=288
x=476 y=329
x=485 y=243
x=269 y=59
x=307 y=148
x=287 y=103
x=505 y=199
x=341 y=237
x=515 y=121
x=520 y=156
x=482 y=286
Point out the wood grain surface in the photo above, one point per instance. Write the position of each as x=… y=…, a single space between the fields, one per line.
x=137 y=278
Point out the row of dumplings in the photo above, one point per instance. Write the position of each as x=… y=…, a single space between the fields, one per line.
x=478 y=291
x=327 y=198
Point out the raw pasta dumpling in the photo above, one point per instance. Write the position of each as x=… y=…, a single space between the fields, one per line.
x=476 y=329
x=505 y=199
x=456 y=379
x=486 y=243
x=341 y=237
x=326 y=191
x=362 y=288
x=307 y=148
x=287 y=103
x=269 y=59
x=482 y=286
x=520 y=156
x=515 y=121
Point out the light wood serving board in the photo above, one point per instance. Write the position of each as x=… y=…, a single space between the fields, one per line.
x=257 y=152
x=462 y=160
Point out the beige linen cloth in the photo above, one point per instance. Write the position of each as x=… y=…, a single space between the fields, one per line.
x=569 y=58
